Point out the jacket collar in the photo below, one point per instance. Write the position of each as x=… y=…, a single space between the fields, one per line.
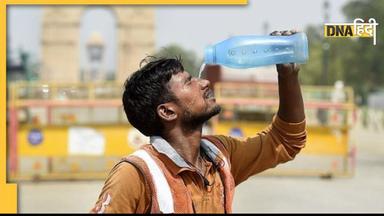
x=163 y=147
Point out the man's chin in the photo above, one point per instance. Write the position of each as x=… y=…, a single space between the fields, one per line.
x=213 y=112
x=202 y=118
x=216 y=110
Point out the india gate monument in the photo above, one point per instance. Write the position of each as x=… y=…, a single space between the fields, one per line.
x=61 y=33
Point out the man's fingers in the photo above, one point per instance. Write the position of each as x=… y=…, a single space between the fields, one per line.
x=276 y=33
x=287 y=65
x=286 y=32
x=295 y=67
x=280 y=67
x=290 y=32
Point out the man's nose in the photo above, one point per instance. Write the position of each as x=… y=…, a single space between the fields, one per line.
x=204 y=83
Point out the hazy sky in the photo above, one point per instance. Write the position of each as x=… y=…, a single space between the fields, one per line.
x=193 y=27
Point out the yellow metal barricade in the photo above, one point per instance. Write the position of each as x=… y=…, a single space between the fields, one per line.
x=248 y=108
x=67 y=131
x=79 y=131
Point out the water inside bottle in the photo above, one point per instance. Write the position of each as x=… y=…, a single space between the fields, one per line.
x=260 y=54
x=260 y=50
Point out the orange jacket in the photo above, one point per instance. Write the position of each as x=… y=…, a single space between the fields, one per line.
x=169 y=193
x=128 y=187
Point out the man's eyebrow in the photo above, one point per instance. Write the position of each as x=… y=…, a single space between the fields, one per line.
x=189 y=78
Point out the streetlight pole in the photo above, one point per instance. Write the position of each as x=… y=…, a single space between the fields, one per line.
x=95 y=49
x=325 y=45
x=266 y=27
x=322 y=113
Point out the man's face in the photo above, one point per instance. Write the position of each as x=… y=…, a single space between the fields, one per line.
x=195 y=98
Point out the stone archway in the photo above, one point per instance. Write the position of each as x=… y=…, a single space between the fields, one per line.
x=60 y=41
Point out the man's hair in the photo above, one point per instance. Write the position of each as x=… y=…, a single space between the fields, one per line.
x=146 y=89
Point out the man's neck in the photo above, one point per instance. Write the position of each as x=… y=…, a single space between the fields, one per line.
x=186 y=143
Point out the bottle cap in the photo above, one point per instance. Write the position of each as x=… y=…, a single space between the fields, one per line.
x=209 y=55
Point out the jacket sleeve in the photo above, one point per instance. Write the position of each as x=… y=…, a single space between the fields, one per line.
x=124 y=191
x=278 y=143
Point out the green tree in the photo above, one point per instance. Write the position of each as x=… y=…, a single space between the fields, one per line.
x=190 y=61
x=354 y=60
x=311 y=72
x=363 y=64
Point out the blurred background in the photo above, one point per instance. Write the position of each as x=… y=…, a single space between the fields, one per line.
x=66 y=128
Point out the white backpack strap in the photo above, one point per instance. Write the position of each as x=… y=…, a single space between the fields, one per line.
x=163 y=191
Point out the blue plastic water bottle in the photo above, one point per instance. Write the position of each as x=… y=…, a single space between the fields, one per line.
x=254 y=50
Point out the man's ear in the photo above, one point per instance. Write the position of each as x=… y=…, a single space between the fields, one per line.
x=167 y=111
